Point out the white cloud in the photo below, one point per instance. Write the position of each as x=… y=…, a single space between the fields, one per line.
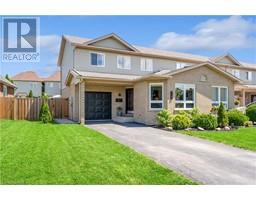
x=50 y=43
x=230 y=33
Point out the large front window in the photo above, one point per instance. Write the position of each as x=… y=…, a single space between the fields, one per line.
x=98 y=59
x=156 y=96
x=184 y=96
x=219 y=94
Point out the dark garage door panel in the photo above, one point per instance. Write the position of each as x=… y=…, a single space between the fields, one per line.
x=97 y=105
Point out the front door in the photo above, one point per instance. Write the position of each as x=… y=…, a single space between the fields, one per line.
x=253 y=98
x=129 y=100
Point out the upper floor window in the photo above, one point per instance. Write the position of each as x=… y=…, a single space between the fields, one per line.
x=98 y=59
x=184 y=96
x=248 y=76
x=180 y=65
x=51 y=85
x=124 y=62
x=146 y=64
x=236 y=72
x=219 y=94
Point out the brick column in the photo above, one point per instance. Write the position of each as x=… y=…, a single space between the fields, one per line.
x=81 y=102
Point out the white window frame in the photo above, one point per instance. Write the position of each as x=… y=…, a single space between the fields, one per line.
x=51 y=85
x=103 y=65
x=125 y=57
x=236 y=72
x=156 y=101
x=249 y=75
x=143 y=65
x=184 y=101
x=219 y=97
x=180 y=65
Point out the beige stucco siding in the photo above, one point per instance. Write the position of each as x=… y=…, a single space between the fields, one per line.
x=203 y=95
x=142 y=111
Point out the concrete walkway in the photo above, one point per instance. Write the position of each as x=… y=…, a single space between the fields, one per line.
x=204 y=161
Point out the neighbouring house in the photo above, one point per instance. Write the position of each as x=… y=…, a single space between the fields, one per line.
x=108 y=78
x=29 y=80
x=7 y=88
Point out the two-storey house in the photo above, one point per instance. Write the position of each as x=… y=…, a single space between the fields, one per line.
x=29 y=80
x=108 y=78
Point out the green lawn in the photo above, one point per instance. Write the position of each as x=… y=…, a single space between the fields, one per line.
x=36 y=153
x=243 y=137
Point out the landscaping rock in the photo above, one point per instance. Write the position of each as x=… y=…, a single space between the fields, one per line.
x=200 y=128
x=218 y=129
x=169 y=128
x=188 y=129
x=226 y=128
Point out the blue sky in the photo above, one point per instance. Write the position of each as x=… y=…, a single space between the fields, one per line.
x=203 y=35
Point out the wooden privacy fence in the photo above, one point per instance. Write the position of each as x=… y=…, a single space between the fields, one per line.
x=29 y=108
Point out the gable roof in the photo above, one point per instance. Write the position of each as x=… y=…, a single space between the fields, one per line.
x=229 y=56
x=208 y=64
x=32 y=76
x=80 y=42
x=114 y=36
x=54 y=77
x=26 y=76
x=6 y=82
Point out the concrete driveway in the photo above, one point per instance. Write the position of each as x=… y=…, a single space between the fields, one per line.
x=204 y=161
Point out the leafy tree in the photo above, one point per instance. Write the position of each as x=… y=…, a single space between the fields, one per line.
x=8 y=78
x=222 y=116
x=30 y=95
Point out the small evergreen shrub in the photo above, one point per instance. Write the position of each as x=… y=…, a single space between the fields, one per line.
x=222 y=116
x=251 y=112
x=248 y=124
x=236 y=117
x=45 y=114
x=206 y=121
x=181 y=121
x=30 y=94
x=164 y=118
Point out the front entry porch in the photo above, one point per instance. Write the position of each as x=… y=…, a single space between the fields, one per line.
x=245 y=94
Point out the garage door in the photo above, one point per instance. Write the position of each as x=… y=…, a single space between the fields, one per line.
x=97 y=105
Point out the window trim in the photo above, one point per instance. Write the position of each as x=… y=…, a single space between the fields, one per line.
x=117 y=63
x=5 y=91
x=186 y=85
x=151 y=70
x=236 y=70
x=155 y=101
x=104 y=58
x=182 y=65
x=219 y=98
x=249 y=75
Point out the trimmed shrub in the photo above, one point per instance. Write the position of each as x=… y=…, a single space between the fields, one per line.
x=164 y=118
x=206 y=121
x=45 y=114
x=248 y=124
x=251 y=112
x=181 y=121
x=222 y=116
x=236 y=117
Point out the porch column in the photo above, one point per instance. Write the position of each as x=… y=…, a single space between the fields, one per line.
x=243 y=97
x=81 y=102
